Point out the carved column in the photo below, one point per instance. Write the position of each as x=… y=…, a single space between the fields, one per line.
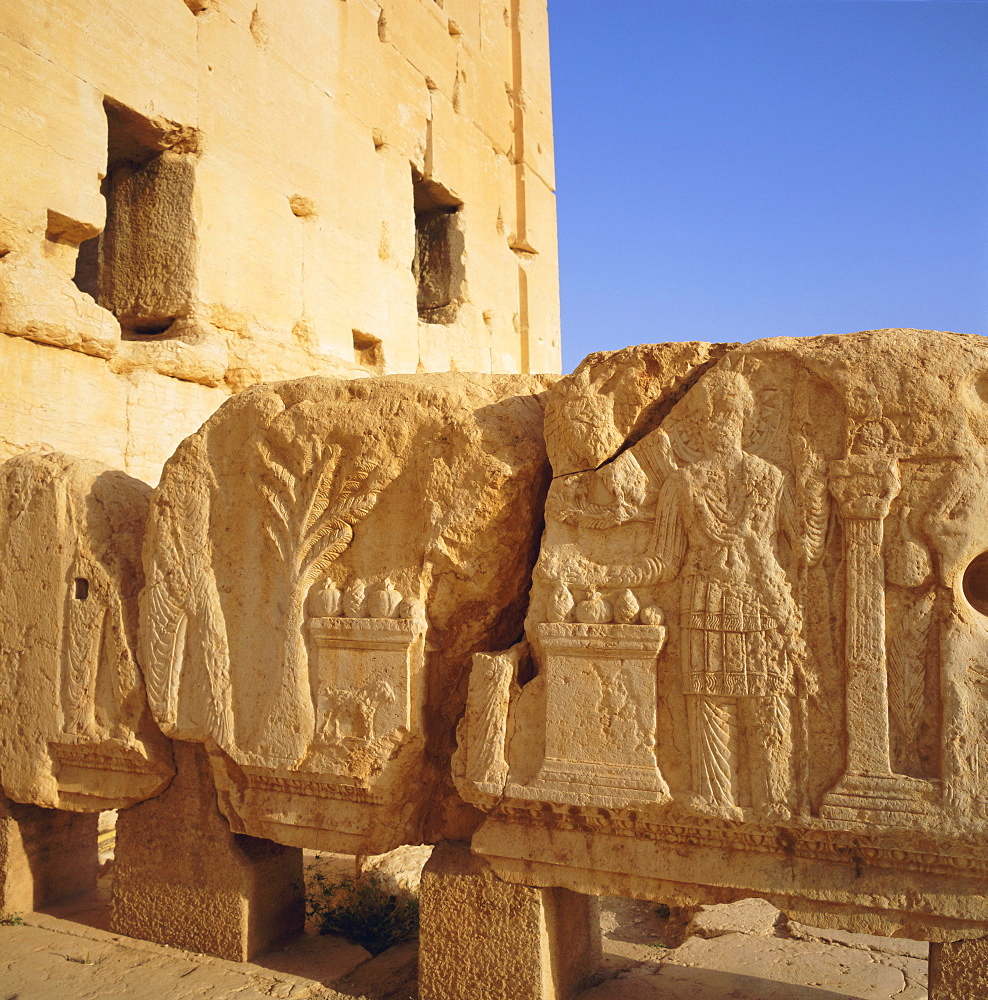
x=484 y=728
x=600 y=716
x=864 y=487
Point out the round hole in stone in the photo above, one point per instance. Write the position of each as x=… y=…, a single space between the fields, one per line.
x=976 y=583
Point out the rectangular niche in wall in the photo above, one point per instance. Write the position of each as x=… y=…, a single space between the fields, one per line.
x=439 y=245
x=142 y=266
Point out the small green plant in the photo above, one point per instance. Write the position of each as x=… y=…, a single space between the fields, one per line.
x=11 y=920
x=365 y=910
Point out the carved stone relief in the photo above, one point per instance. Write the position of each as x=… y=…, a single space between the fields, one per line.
x=75 y=730
x=322 y=559
x=788 y=533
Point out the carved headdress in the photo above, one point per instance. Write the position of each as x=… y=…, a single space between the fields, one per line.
x=726 y=388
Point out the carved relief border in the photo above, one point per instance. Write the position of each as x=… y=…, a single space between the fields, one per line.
x=802 y=843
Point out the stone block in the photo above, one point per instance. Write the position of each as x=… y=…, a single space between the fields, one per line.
x=305 y=51
x=252 y=273
x=158 y=77
x=62 y=400
x=533 y=93
x=41 y=303
x=537 y=214
x=538 y=302
x=487 y=99
x=420 y=33
x=747 y=916
x=182 y=878
x=959 y=970
x=483 y=939
x=395 y=99
x=148 y=253
x=53 y=146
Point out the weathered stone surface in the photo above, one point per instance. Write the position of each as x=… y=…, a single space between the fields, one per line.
x=763 y=968
x=65 y=955
x=184 y=166
x=322 y=560
x=48 y=957
x=401 y=868
x=959 y=970
x=483 y=939
x=751 y=916
x=756 y=624
x=38 y=302
x=645 y=959
x=75 y=730
x=903 y=947
x=181 y=877
x=57 y=400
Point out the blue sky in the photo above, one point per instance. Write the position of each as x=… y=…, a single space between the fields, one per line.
x=733 y=169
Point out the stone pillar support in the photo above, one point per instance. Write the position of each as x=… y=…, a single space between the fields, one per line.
x=959 y=970
x=182 y=878
x=46 y=856
x=484 y=939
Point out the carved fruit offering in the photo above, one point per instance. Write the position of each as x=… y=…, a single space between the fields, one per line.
x=626 y=607
x=594 y=610
x=326 y=602
x=411 y=609
x=560 y=604
x=383 y=602
x=651 y=615
x=354 y=599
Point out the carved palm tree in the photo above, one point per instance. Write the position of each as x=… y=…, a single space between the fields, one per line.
x=314 y=498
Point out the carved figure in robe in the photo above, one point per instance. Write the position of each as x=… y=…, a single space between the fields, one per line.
x=716 y=528
x=720 y=519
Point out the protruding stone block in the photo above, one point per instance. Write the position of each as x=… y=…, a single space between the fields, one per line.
x=483 y=939
x=182 y=877
x=959 y=970
x=46 y=855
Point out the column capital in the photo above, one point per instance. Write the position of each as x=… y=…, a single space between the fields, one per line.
x=864 y=486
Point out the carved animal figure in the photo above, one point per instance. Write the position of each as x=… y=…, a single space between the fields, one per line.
x=355 y=710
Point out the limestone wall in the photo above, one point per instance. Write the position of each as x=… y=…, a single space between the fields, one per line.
x=342 y=187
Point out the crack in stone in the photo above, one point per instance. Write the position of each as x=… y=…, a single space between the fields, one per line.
x=652 y=416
